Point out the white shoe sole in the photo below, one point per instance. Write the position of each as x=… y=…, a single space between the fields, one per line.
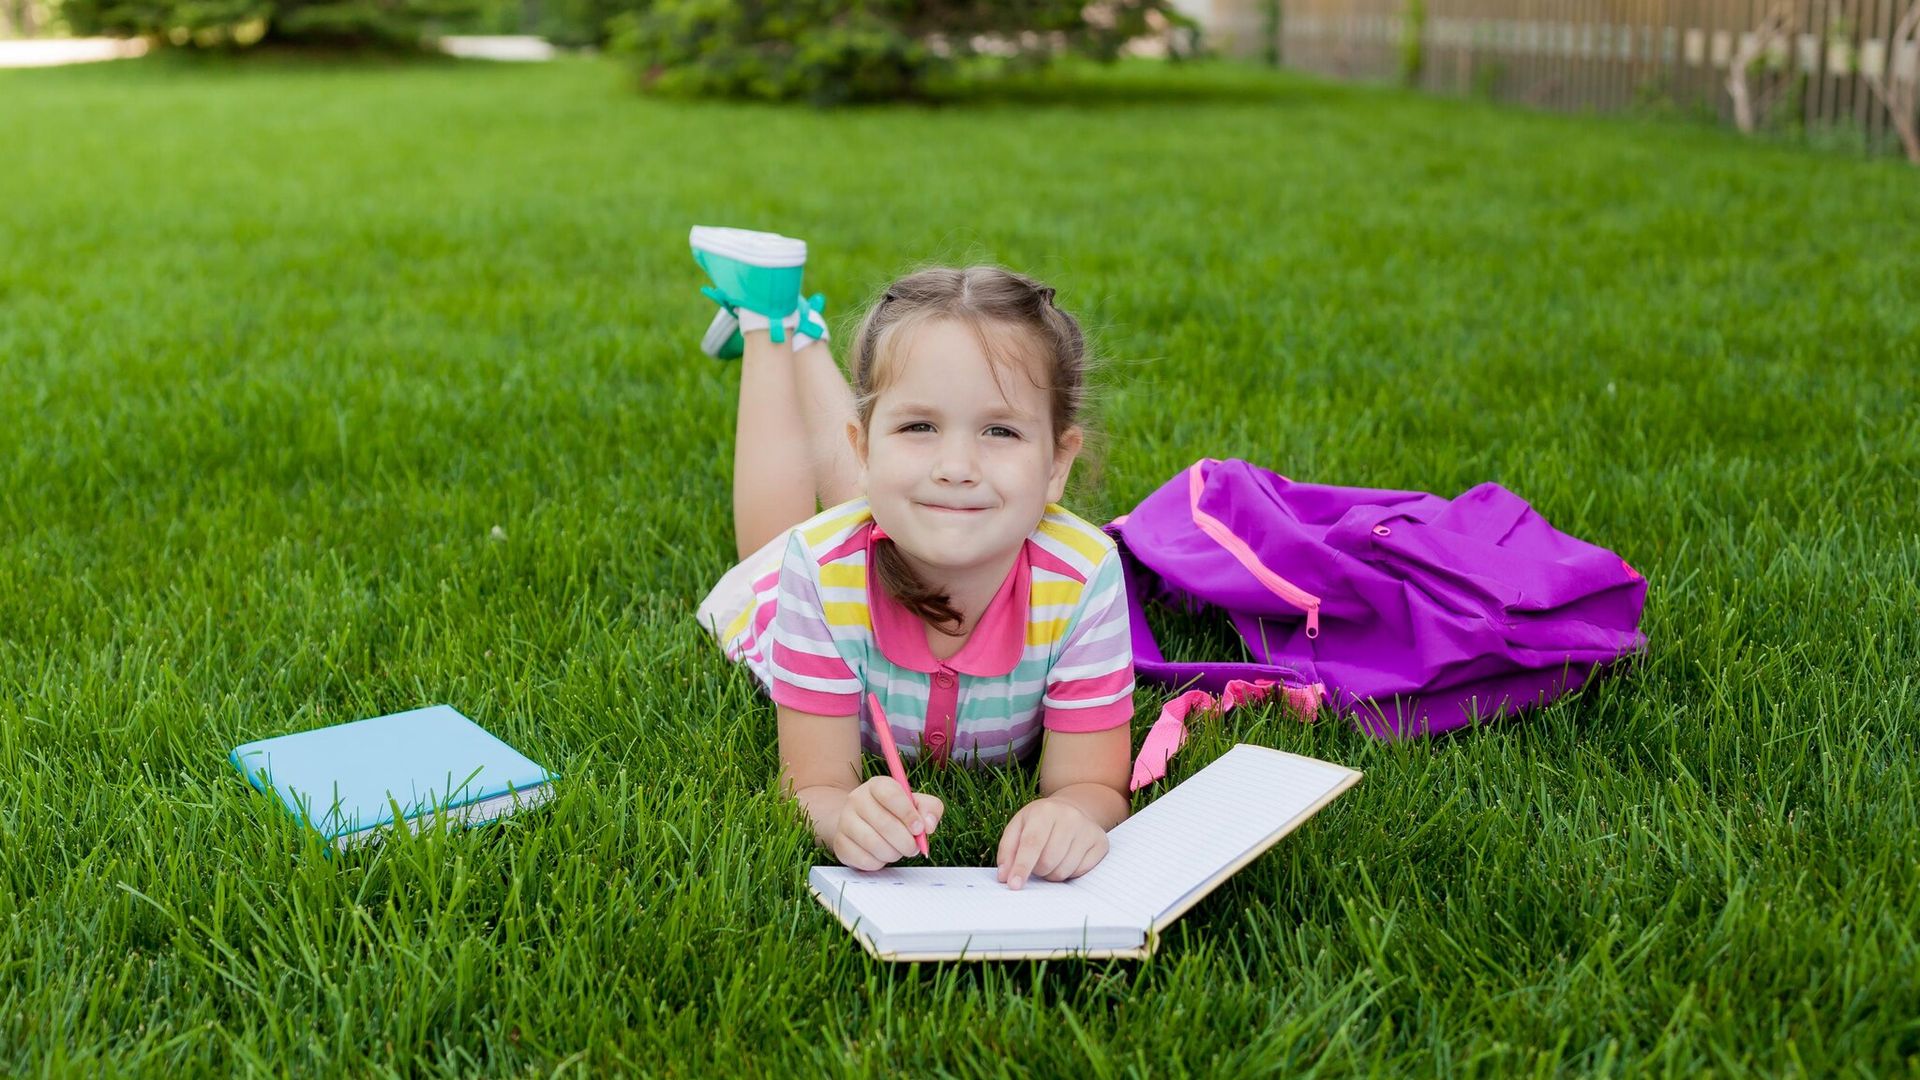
x=770 y=250
x=725 y=324
x=719 y=332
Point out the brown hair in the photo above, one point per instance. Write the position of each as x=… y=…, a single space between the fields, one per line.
x=1018 y=326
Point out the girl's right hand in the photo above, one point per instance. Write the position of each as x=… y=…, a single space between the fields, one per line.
x=878 y=823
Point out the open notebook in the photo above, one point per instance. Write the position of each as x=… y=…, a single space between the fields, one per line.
x=1159 y=863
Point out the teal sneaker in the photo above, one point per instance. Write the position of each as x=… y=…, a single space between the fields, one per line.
x=722 y=340
x=758 y=272
x=813 y=327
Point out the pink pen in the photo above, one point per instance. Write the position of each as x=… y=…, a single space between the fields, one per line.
x=892 y=754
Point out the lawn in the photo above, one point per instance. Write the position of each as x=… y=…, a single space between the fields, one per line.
x=329 y=392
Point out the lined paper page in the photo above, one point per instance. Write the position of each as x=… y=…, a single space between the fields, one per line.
x=1159 y=856
x=960 y=902
x=1155 y=861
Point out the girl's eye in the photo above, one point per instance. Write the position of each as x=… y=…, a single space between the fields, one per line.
x=917 y=425
x=1003 y=431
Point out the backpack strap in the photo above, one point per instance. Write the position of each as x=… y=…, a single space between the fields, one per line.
x=1170 y=730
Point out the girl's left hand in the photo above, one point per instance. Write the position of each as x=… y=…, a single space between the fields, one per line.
x=1052 y=838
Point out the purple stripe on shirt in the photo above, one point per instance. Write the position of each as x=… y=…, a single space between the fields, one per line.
x=807 y=627
x=988 y=749
x=996 y=736
x=1112 y=650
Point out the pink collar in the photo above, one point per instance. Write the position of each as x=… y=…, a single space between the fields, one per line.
x=993 y=648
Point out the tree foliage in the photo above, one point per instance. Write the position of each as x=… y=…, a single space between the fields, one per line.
x=833 y=51
x=383 y=23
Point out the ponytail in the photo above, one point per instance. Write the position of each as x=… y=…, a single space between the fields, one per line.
x=901 y=583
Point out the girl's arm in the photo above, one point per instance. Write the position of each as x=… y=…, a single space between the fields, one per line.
x=1089 y=770
x=1083 y=793
x=866 y=825
x=819 y=765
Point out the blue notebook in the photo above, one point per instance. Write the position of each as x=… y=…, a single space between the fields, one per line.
x=439 y=766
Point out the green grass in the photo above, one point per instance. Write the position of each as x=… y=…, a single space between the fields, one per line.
x=283 y=344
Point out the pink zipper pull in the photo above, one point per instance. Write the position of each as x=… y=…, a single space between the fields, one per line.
x=1244 y=555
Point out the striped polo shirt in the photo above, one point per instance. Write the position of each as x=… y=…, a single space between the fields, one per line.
x=1051 y=651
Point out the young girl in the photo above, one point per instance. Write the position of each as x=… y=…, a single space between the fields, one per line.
x=944 y=576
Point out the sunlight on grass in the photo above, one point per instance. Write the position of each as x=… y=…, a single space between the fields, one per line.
x=285 y=343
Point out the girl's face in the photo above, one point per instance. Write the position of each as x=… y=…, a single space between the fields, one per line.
x=959 y=467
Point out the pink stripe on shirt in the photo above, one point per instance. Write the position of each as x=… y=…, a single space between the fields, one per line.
x=1099 y=686
x=1094 y=718
x=813 y=665
x=813 y=701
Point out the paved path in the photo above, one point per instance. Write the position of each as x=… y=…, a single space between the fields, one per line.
x=47 y=52
x=498 y=47
x=50 y=51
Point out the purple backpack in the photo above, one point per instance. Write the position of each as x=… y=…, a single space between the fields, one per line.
x=1412 y=613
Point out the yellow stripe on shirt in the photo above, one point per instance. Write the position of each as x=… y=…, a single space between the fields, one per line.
x=1090 y=548
x=739 y=623
x=819 y=533
x=848 y=613
x=1051 y=593
x=1046 y=632
x=844 y=576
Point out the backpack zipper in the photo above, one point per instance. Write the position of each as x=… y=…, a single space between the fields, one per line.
x=1279 y=586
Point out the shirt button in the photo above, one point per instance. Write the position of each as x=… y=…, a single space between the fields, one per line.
x=943 y=679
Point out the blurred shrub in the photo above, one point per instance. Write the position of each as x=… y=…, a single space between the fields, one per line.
x=834 y=51
x=572 y=23
x=566 y=23
x=220 y=23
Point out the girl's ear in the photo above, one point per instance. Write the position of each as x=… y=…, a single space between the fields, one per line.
x=1064 y=453
x=856 y=438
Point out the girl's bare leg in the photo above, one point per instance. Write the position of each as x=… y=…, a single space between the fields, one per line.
x=773 y=483
x=826 y=404
x=790 y=439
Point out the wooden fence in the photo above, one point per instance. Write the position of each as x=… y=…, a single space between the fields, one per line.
x=1847 y=68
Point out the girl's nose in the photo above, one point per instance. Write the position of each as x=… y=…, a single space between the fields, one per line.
x=957 y=463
